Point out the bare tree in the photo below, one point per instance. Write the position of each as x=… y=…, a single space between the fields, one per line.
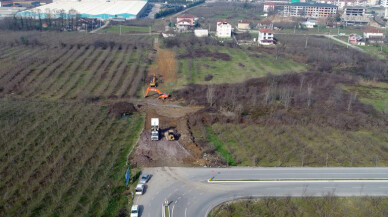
x=352 y=98
x=210 y=94
x=309 y=93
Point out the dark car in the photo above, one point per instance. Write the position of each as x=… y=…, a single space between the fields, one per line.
x=144 y=178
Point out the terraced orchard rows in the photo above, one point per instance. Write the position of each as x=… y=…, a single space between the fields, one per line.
x=83 y=69
x=62 y=158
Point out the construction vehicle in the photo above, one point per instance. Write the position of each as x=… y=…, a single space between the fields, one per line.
x=161 y=95
x=153 y=81
x=170 y=135
x=154 y=129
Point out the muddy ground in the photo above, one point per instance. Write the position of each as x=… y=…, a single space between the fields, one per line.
x=183 y=151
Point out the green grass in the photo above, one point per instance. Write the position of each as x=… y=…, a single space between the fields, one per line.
x=126 y=29
x=377 y=51
x=304 y=207
x=257 y=145
x=244 y=65
x=323 y=30
x=220 y=147
x=375 y=94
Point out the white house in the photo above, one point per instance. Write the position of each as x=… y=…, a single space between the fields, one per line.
x=224 y=29
x=309 y=23
x=201 y=32
x=265 y=37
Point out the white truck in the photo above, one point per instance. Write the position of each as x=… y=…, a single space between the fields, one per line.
x=154 y=129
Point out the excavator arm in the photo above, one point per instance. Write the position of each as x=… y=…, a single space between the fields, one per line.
x=161 y=95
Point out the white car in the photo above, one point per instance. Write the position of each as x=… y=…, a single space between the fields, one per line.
x=135 y=211
x=140 y=189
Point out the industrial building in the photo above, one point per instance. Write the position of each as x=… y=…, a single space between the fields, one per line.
x=102 y=9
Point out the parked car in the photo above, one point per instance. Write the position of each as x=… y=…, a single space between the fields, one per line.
x=140 y=189
x=145 y=178
x=135 y=211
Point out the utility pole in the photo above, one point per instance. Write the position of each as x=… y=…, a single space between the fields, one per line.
x=307 y=39
x=150 y=29
x=347 y=45
x=338 y=30
x=120 y=29
x=294 y=29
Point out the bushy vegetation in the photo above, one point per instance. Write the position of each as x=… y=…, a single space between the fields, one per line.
x=290 y=120
x=63 y=158
x=328 y=56
x=304 y=207
x=231 y=11
x=71 y=66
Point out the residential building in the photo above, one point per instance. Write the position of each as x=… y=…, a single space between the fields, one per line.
x=313 y=10
x=224 y=29
x=384 y=3
x=265 y=24
x=356 y=39
x=265 y=37
x=185 y=22
x=345 y=3
x=243 y=25
x=310 y=23
x=201 y=32
x=274 y=5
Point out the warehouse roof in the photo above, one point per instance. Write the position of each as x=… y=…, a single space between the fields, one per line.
x=93 y=8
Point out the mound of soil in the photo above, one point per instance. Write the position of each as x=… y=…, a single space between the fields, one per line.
x=121 y=108
x=159 y=153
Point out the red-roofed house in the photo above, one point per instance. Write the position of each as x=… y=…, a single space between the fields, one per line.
x=373 y=33
x=265 y=37
x=374 y=36
x=185 y=22
x=224 y=29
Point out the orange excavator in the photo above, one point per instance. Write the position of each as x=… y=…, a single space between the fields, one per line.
x=161 y=95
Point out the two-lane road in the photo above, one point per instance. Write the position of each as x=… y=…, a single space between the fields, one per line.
x=191 y=195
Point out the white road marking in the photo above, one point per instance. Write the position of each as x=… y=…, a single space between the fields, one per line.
x=172 y=212
x=185 y=211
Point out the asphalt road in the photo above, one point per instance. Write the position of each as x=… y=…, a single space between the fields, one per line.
x=191 y=195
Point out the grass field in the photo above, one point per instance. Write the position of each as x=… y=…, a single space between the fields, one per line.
x=375 y=94
x=63 y=158
x=323 y=30
x=244 y=64
x=104 y=69
x=304 y=207
x=255 y=145
x=126 y=29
